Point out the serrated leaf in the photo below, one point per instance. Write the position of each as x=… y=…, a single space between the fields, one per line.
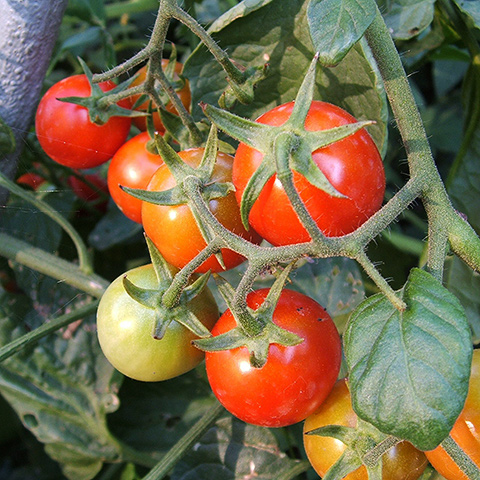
x=409 y=370
x=353 y=84
x=407 y=18
x=335 y=26
x=234 y=450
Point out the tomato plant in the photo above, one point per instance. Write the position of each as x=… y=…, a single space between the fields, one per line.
x=65 y=131
x=125 y=331
x=465 y=432
x=173 y=229
x=353 y=166
x=294 y=381
x=132 y=166
x=401 y=462
x=183 y=93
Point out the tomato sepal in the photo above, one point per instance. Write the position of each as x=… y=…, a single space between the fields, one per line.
x=256 y=330
x=97 y=112
x=243 y=92
x=285 y=147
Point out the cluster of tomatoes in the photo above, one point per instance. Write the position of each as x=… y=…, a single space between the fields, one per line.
x=297 y=382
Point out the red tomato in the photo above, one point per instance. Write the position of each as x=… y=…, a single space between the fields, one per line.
x=31 y=179
x=132 y=166
x=353 y=166
x=184 y=94
x=173 y=229
x=465 y=432
x=65 y=131
x=294 y=381
x=91 y=194
x=401 y=462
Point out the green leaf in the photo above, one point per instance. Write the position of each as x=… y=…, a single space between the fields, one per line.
x=62 y=389
x=153 y=416
x=353 y=84
x=112 y=229
x=471 y=9
x=235 y=450
x=407 y=18
x=335 y=26
x=409 y=370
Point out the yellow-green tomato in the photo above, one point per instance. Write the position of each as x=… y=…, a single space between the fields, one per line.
x=125 y=331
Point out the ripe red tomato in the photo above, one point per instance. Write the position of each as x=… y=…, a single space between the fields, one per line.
x=294 y=381
x=465 y=432
x=173 y=229
x=352 y=165
x=65 y=131
x=401 y=462
x=184 y=94
x=125 y=331
x=132 y=166
x=31 y=179
x=90 y=194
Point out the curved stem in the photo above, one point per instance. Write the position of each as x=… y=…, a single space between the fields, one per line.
x=184 y=444
x=172 y=295
x=51 y=265
x=220 y=55
x=82 y=251
x=47 y=328
x=381 y=283
x=413 y=134
x=463 y=461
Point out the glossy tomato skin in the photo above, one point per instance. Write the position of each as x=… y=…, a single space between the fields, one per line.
x=174 y=230
x=465 y=432
x=132 y=166
x=401 y=462
x=294 y=381
x=184 y=94
x=125 y=329
x=65 y=131
x=353 y=166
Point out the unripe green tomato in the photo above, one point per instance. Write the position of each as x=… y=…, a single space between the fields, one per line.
x=125 y=331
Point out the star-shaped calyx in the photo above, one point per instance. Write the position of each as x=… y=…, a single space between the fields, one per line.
x=286 y=147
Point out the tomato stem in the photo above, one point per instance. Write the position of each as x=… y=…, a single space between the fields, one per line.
x=82 y=250
x=185 y=443
x=420 y=158
x=51 y=265
x=461 y=458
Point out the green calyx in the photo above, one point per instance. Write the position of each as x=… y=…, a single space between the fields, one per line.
x=243 y=92
x=183 y=174
x=100 y=111
x=365 y=446
x=153 y=298
x=256 y=330
x=286 y=147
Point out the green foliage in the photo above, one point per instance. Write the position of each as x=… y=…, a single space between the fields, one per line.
x=408 y=370
x=353 y=84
